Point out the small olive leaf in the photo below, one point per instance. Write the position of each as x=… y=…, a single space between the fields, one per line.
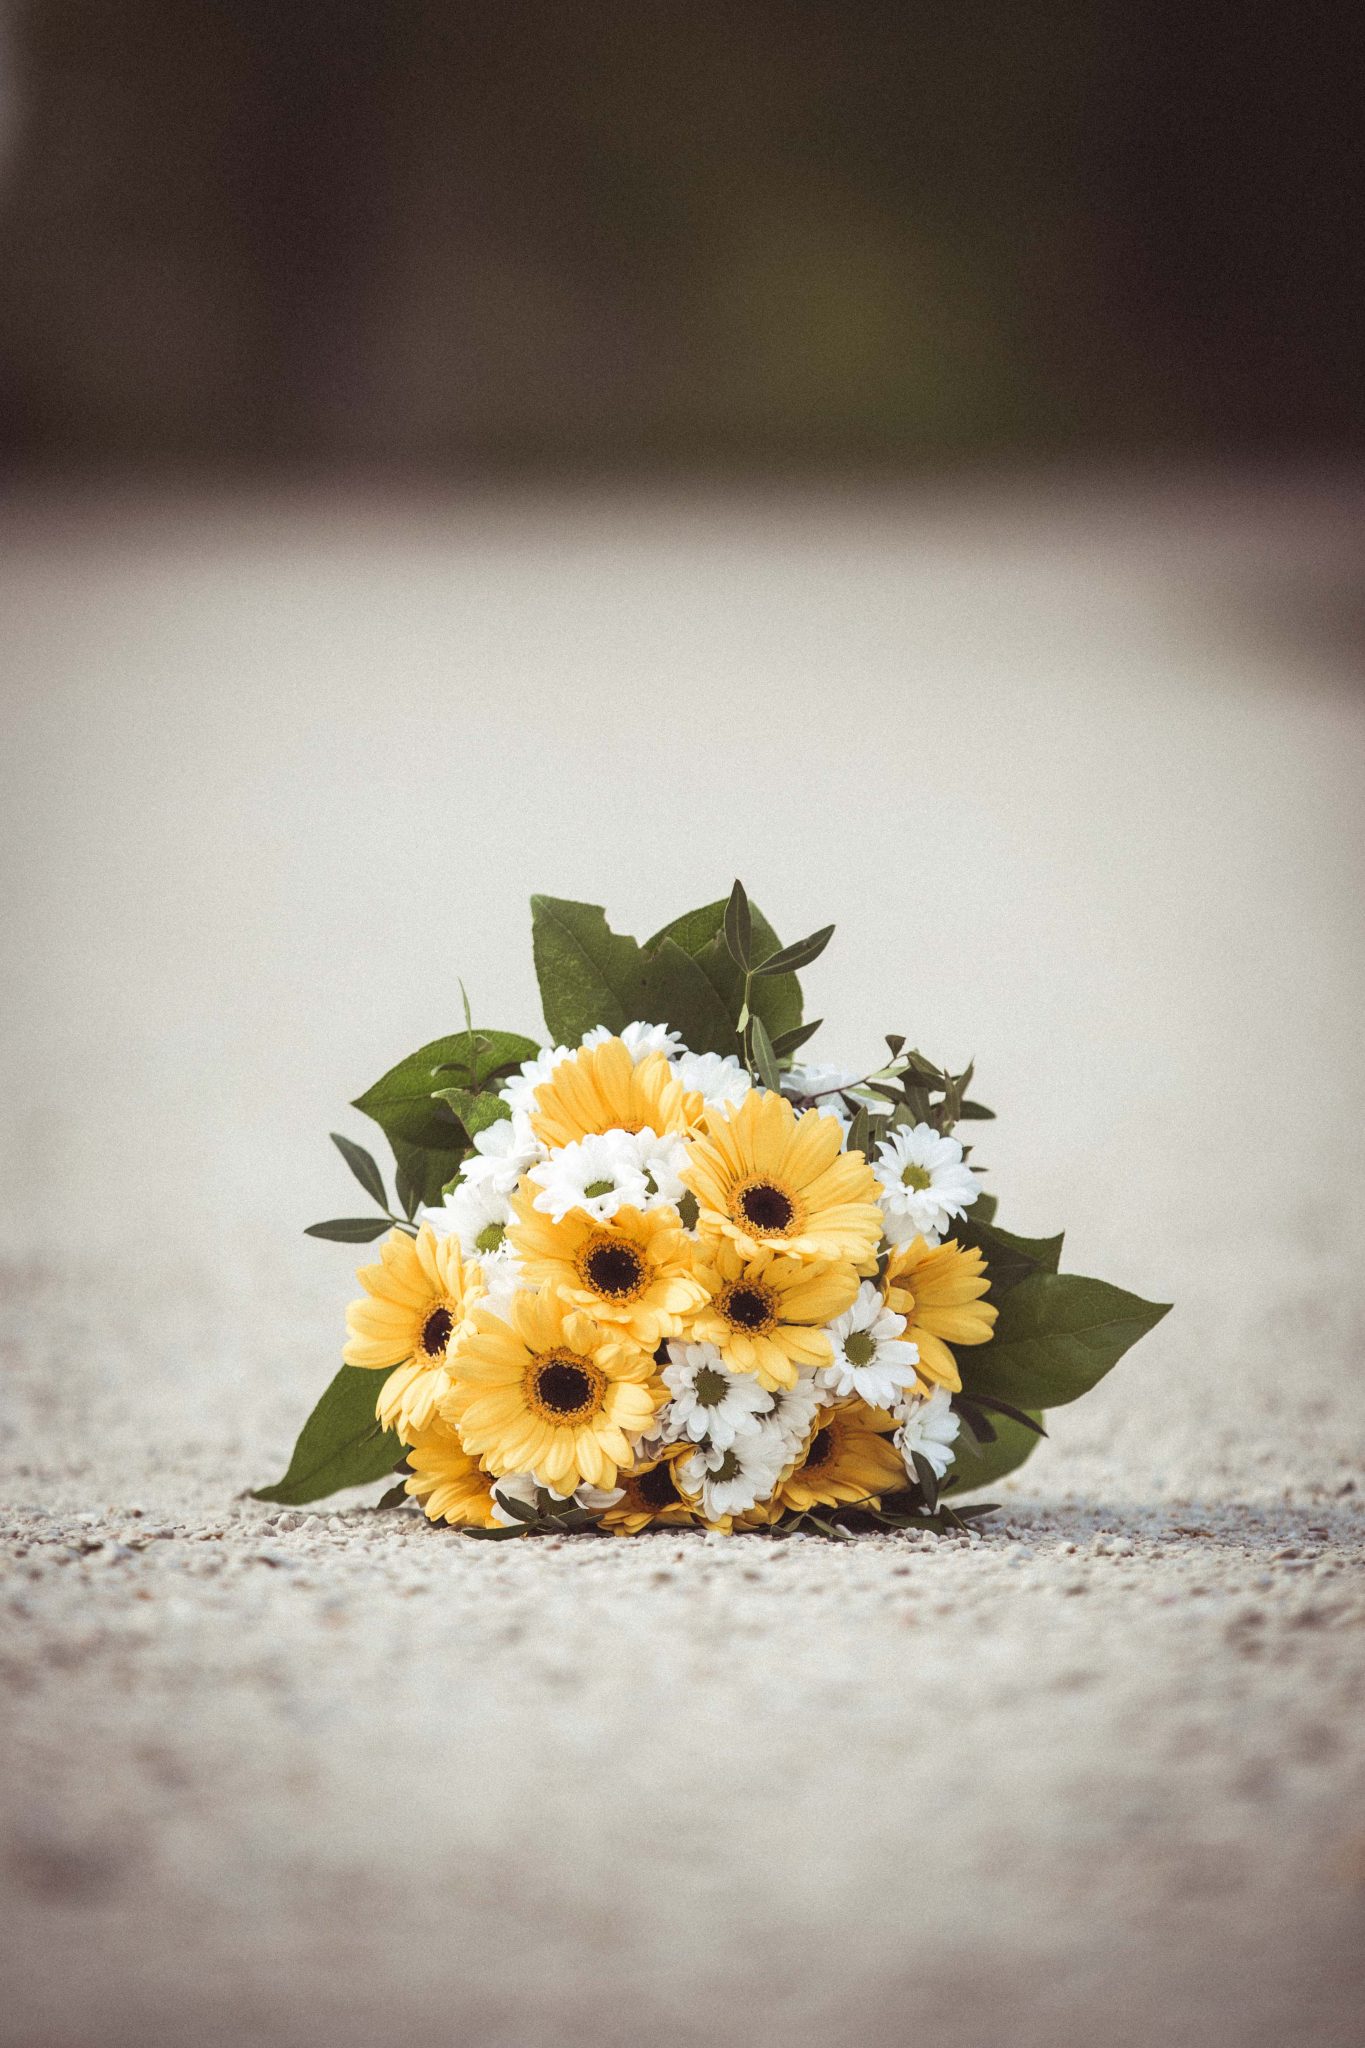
x=362 y=1166
x=788 y=1042
x=677 y=992
x=975 y=1421
x=984 y=1208
x=764 y=1057
x=1014 y=1442
x=341 y=1443
x=739 y=927
x=1056 y=1336
x=474 y=1113
x=894 y=1041
x=791 y=959
x=350 y=1229
x=409 y=1195
x=857 y=1139
x=588 y=974
x=1019 y=1415
x=520 y=1510
x=394 y=1498
x=928 y=1479
x=975 y=1112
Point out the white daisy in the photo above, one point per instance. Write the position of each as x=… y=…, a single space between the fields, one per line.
x=598 y=1174
x=639 y=1039
x=870 y=1356
x=661 y=1161
x=924 y=1182
x=715 y=1076
x=733 y=1480
x=786 y=1423
x=503 y=1152
x=930 y=1427
x=707 y=1400
x=520 y=1092
x=475 y=1211
x=502 y=1279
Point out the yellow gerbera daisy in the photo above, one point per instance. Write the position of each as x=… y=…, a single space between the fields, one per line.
x=635 y=1270
x=763 y=1314
x=938 y=1289
x=417 y=1302
x=653 y=1497
x=774 y=1182
x=552 y=1392
x=603 y=1089
x=449 y=1484
x=848 y=1457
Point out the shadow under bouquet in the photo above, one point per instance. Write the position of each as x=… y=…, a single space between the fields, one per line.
x=666 y=1273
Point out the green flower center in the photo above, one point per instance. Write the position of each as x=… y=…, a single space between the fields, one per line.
x=728 y=1468
x=598 y=1187
x=916 y=1177
x=490 y=1237
x=711 y=1387
x=859 y=1348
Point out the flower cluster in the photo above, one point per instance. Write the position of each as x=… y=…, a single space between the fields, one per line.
x=669 y=1294
x=670 y=1274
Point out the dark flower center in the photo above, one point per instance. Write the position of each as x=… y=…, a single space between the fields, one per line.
x=821 y=1450
x=766 y=1207
x=564 y=1388
x=749 y=1307
x=614 y=1270
x=436 y=1332
x=656 y=1489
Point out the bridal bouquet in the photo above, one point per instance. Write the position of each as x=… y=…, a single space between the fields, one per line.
x=666 y=1273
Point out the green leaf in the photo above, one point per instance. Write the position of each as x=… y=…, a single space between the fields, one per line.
x=972 y=1469
x=984 y=1208
x=1009 y=1258
x=739 y=927
x=427 y=1146
x=1056 y=1336
x=678 y=993
x=857 y=1139
x=790 y=959
x=700 y=933
x=764 y=1058
x=788 y=1042
x=341 y=1443
x=588 y=974
x=975 y=1112
x=363 y=1167
x=408 y=1194
x=350 y=1229
x=396 y=1497
x=475 y=1112
x=928 y=1479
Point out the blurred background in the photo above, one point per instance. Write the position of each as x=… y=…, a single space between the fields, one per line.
x=350 y=235
x=909 y=455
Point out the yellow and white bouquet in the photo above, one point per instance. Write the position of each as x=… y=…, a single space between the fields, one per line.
x=663 y=1273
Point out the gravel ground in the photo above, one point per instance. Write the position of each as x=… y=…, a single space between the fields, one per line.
x=331 y=1776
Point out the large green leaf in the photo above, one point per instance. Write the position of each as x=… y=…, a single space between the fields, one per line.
x=341 y=1443
x=679 y=994
x=1009 y=1259
x=977 y=1468
x=701 y=933
x=428 y=1142
x=588 y=974
x=1056 y=1336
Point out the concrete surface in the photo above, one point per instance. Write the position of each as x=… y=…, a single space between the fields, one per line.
x=1077 y=770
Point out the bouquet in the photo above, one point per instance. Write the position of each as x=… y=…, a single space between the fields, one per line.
x=664 y=1272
